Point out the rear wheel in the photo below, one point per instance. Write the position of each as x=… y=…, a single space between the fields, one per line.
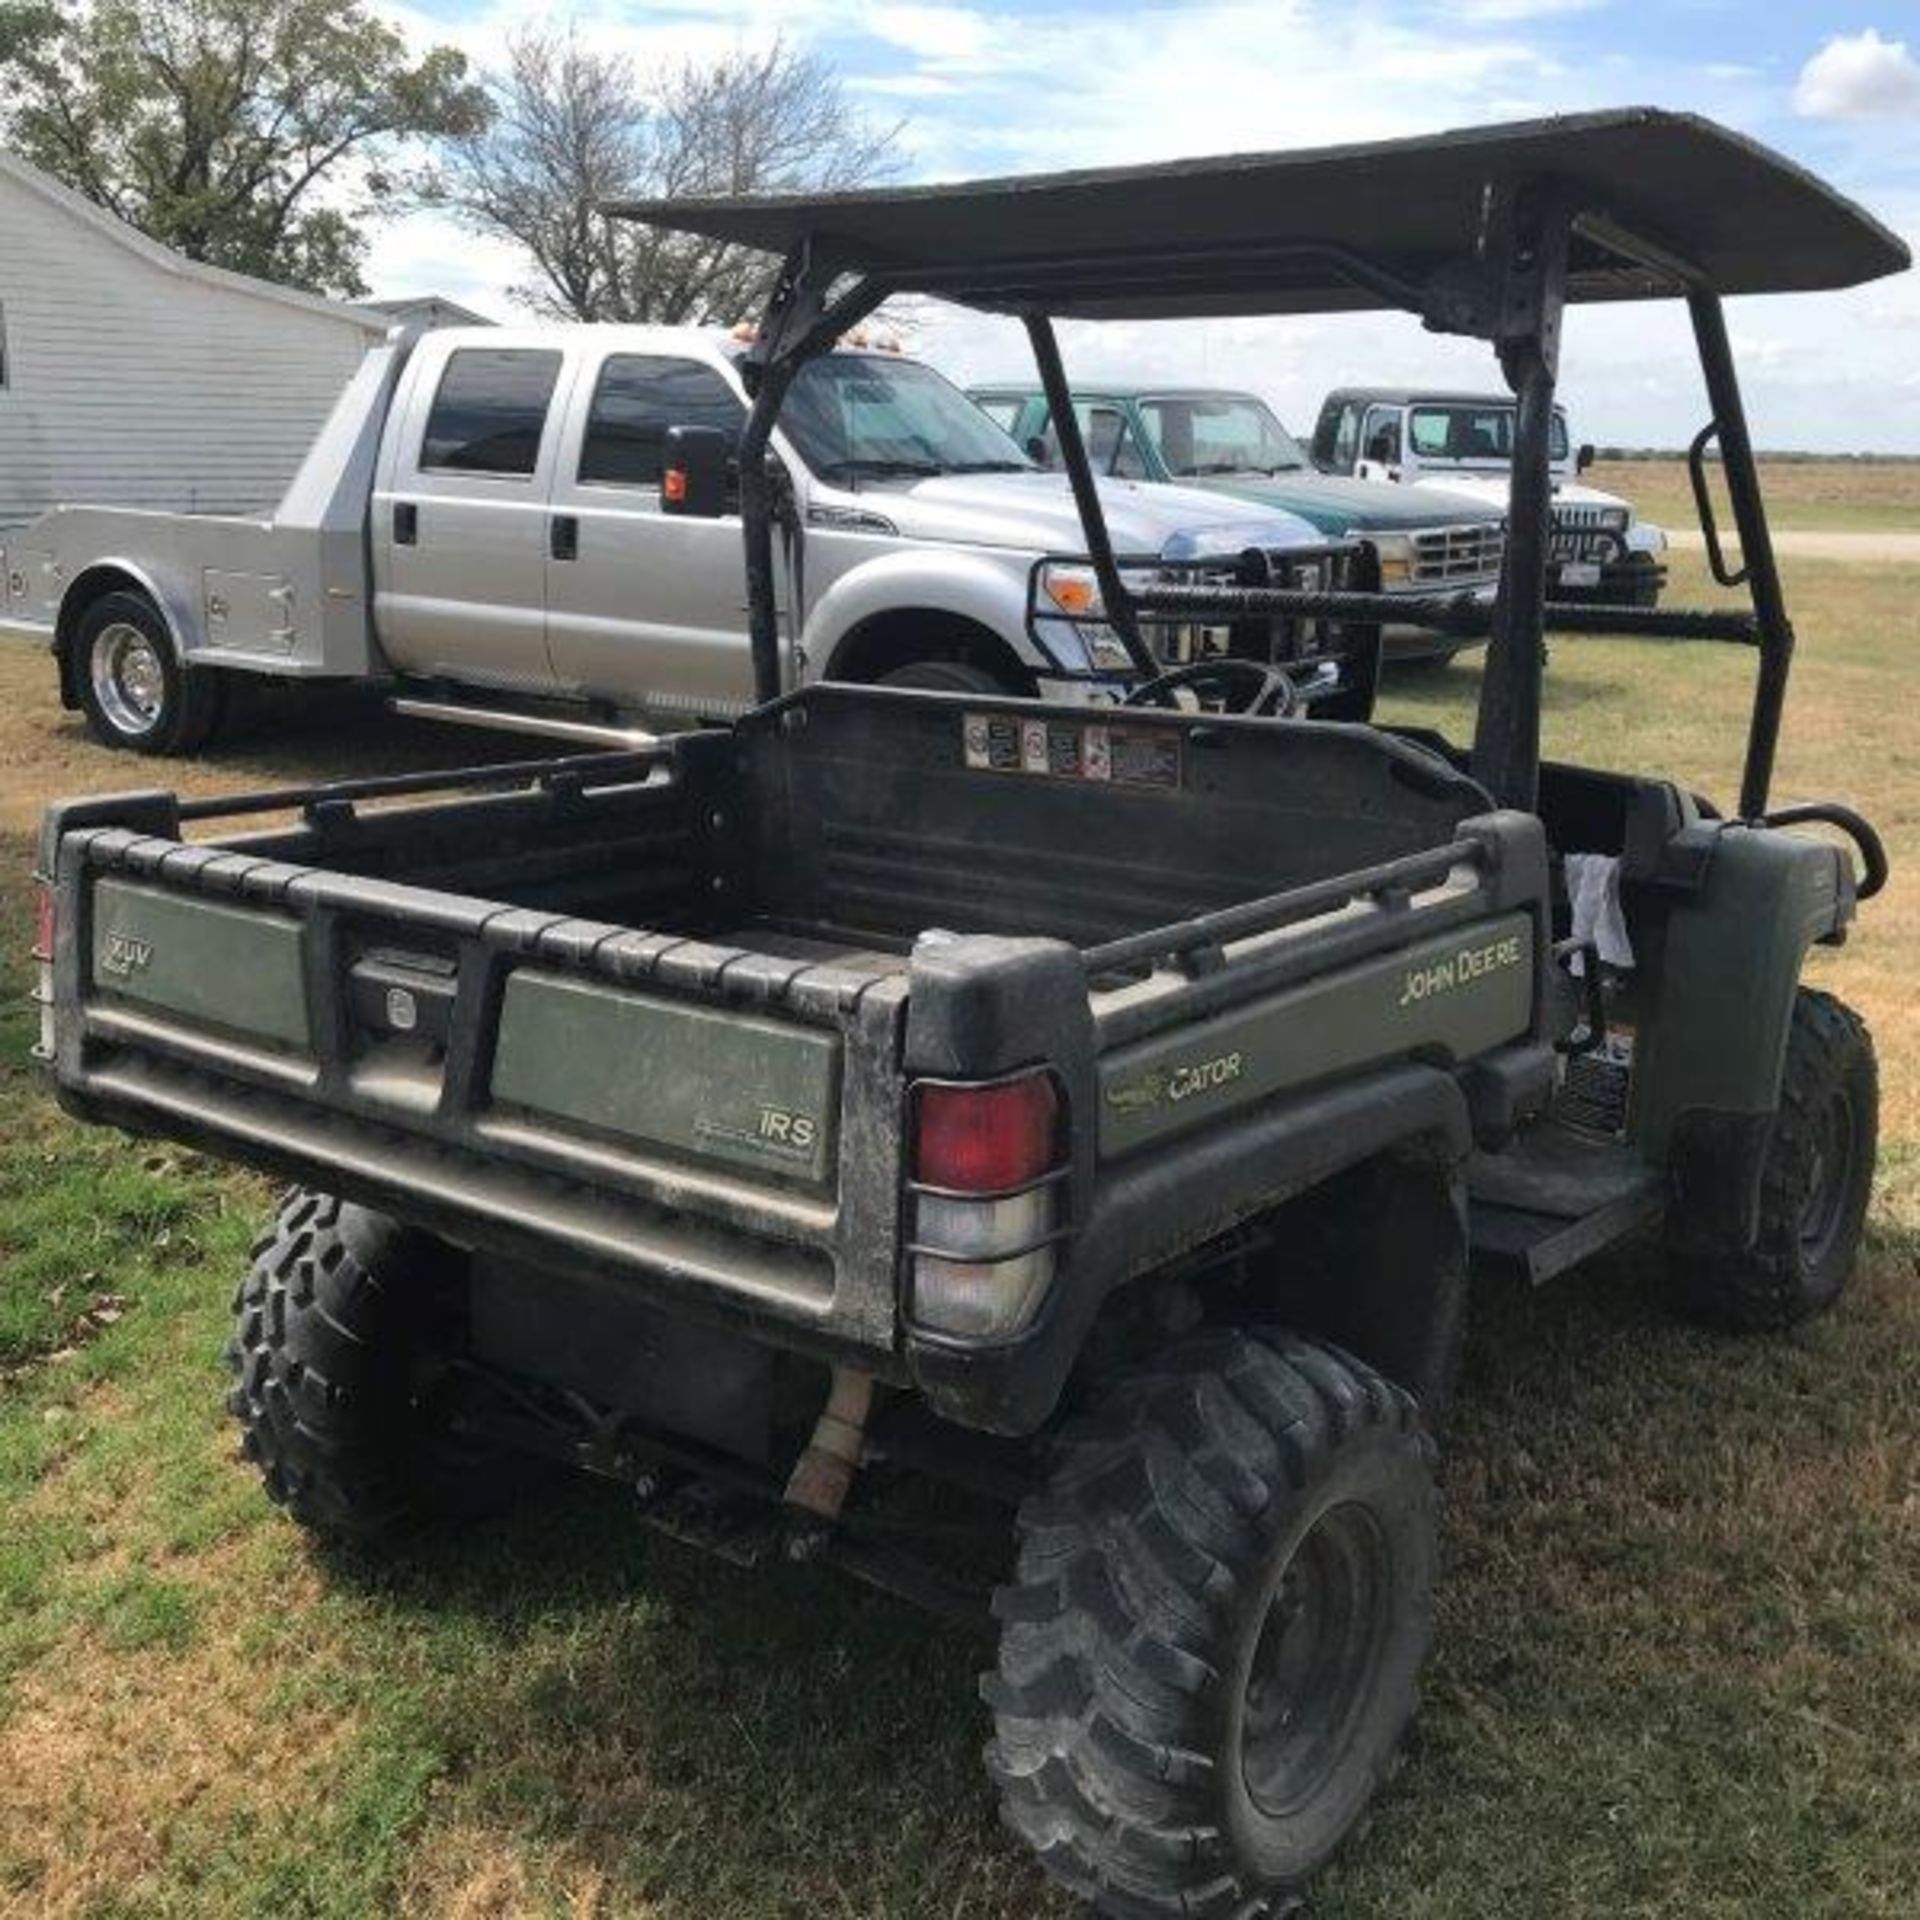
x=135 y=692
x=1212 y=1644
x=1816 y=1178
x=332 y=1325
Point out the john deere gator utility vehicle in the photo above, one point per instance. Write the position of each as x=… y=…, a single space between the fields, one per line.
x=1097 y=1104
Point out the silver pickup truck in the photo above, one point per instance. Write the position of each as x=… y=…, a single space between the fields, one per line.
x=481 y=523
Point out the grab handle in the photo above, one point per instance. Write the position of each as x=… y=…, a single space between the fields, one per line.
x=1855 y=826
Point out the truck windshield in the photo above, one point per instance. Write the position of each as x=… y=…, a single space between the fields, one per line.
x=1220 y=433
x=871 y=416
x=1475 y=432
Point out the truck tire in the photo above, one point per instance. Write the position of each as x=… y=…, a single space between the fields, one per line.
x=1643 y=582
x=1212 y=1643
x=324 y=1358
x=947 y=676
x=134 y=691
x=1816 y=1178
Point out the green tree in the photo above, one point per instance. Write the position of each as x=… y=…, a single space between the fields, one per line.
x=258 y=135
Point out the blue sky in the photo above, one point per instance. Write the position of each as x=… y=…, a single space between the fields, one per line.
x=994 y=88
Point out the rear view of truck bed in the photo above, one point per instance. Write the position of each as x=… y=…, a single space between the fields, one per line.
x=659 y=1015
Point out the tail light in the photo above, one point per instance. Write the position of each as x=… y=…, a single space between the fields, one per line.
x=988 y=1165
x=43 y=965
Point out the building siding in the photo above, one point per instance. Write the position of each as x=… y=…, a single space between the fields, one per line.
x=136 y=382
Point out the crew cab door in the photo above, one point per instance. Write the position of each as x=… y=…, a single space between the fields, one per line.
x=459 y=518
x=643 y=607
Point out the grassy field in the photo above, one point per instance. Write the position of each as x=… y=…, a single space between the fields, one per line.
x=1678 y=1667
x=1823 y=496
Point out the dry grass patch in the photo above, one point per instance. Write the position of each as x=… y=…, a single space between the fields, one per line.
x=466 y=1871
x=124 y=1760
x=1836 y=495
x=1678 y=1667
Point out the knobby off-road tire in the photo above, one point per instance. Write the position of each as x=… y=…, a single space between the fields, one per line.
x=135 y=693
x=1816 y=1178
x=1211 y=1647
x=325 y=1357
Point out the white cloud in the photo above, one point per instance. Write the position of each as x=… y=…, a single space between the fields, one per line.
x=932 y=33
x=1510 y=10
x=995 y=86
x=1858 y=76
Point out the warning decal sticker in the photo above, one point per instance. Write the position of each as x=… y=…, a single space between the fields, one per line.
x=1054 y=749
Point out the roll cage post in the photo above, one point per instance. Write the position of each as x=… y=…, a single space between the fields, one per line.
x=1086 y=493
x=1511 y=292
x=804 y=316
x=1729 y=426
x=1524 y=292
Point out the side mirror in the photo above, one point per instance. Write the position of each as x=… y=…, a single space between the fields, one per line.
x=694 y=472
x=1584 y=458
x=1037 y=450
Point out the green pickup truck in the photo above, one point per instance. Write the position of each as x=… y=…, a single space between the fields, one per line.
x=1233 y=443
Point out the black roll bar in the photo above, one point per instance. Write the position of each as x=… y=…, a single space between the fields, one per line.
x=1756 y=548
x=1510 y=292
x=1529 y=234
x=1458 y=615
x=1086 y=492
x=803 y=317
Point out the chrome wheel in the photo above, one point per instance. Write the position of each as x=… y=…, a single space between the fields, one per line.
x=129 y=678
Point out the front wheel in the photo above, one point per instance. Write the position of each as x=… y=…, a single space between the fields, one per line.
x=1212 y=1644
x=135 y=692
x=948 y=676
x=1816 y=1178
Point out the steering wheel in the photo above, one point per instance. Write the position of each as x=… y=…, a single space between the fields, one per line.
x=1243 y=686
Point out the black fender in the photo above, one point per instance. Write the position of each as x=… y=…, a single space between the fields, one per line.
x=1188 y=1192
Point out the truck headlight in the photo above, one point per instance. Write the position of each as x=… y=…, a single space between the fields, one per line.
x=1615 y=519
x=1396 y=557
x=1072 y=588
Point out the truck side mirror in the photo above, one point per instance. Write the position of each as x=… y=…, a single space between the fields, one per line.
x=1037 y=450
x=1584 y=458
x=694 y=472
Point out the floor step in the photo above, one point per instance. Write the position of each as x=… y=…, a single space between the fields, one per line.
x=1557 y=1197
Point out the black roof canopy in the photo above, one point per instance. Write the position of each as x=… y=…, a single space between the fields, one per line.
x=1662 y=198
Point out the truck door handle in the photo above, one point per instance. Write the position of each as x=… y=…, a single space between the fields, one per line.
x=563 y=536
x=406 y=524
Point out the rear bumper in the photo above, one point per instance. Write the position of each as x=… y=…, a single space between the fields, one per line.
x=782 y=1294
x=1632 y=579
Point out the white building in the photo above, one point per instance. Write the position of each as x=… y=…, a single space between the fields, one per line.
x=130 y=376
x=427 y=311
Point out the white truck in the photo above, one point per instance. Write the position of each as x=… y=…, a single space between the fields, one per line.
x=1463 y=442
x=482 y=525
